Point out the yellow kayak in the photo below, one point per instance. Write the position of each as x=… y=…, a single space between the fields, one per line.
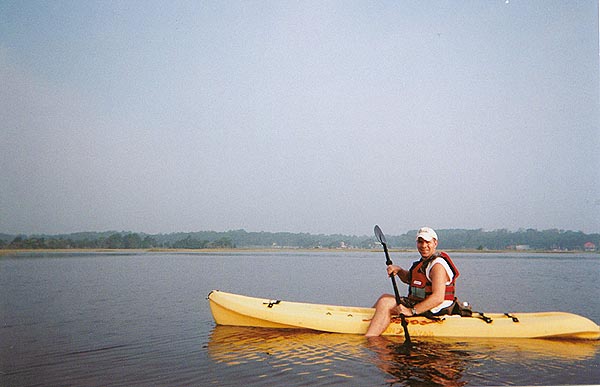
x=238 y=310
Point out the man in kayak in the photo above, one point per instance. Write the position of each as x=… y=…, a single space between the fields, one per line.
x=431 y=285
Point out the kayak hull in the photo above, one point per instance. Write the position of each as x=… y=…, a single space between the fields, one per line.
x=239 y=310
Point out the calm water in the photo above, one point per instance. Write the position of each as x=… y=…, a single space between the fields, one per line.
x=143 y=320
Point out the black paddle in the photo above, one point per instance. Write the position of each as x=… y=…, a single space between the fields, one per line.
x=388 y=261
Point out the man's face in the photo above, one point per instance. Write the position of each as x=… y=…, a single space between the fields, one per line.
x=426 y=248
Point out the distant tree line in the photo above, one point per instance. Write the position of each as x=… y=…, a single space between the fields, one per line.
x=450 y=239
x=112 y=241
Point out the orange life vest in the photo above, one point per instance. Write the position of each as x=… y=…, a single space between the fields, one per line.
x=420 y=286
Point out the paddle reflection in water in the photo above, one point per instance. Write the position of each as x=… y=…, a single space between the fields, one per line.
x=258 y=356
x=419 y=363
x=451 y=362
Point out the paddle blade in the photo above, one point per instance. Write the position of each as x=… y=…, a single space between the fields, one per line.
x=379 y=235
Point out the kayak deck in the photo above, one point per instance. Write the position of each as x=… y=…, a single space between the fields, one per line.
x=239 y=310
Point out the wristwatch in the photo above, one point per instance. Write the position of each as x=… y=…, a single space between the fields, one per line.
x=414 y=311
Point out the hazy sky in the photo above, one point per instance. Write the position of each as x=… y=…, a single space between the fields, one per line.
x=309 y=116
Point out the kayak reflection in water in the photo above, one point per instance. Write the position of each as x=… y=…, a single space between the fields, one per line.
x=431 y=283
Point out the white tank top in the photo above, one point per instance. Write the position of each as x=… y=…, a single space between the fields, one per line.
x=445 y=265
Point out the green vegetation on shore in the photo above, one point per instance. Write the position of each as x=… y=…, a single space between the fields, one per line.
x=450 y=239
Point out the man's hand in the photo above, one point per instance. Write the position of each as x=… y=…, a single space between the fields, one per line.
x=393 y=270
x=401 y=309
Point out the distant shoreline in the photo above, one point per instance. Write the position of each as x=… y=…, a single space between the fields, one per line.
x=4 y=252
x=453 y=240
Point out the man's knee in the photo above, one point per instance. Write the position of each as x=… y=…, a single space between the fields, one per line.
x=386 y=301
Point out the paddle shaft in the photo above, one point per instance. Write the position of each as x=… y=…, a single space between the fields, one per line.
x=388 y=261
x=392 y=276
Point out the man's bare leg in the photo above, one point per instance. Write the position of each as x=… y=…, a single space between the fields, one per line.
x=384 y=308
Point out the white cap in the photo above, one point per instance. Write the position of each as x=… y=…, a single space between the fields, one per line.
x=427 y=234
